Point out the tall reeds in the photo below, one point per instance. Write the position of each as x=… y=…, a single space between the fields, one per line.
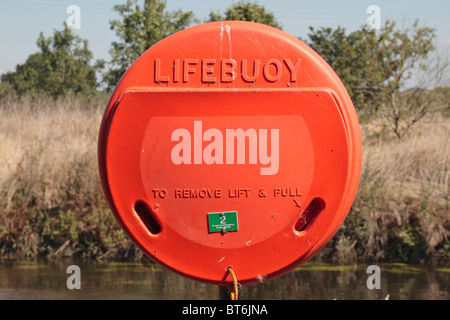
x=51 y=201
x=52 y=204
x=402 y=208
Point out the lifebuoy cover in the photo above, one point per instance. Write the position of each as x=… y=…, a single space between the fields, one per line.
x=230 y=144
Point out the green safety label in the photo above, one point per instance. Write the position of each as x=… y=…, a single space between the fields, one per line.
x=223 y=221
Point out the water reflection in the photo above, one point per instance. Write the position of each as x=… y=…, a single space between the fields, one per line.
x=148 y=281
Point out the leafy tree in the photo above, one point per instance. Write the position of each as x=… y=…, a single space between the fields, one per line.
x=61 y=66
x=337 y=48
x=246 y=11
x=138 y=29
x=5 y=89
x=380 y=69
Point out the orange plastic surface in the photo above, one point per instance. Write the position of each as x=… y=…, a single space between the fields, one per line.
x=230 y=117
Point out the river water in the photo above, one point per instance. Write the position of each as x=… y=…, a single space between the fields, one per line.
x=27 y=280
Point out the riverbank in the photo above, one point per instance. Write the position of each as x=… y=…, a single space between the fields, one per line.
x=52 y=204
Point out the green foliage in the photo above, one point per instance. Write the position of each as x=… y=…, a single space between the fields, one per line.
x=246 y=11
x=5 y=89
x=60 y=67
x=388 y=72
x=55 y=233
x=138 y=29
x=406 y=245
x=373 y=64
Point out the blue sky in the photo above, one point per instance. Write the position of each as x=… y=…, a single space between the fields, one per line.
x=21 y=21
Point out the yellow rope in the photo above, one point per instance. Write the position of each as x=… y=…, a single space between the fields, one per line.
x=233 y=295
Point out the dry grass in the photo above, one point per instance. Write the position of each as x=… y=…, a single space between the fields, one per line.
x=51 y=200
x=420 y=160
x=402 y=208
x=50 y=153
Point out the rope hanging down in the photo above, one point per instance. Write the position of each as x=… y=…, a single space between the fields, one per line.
x=235 y=288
